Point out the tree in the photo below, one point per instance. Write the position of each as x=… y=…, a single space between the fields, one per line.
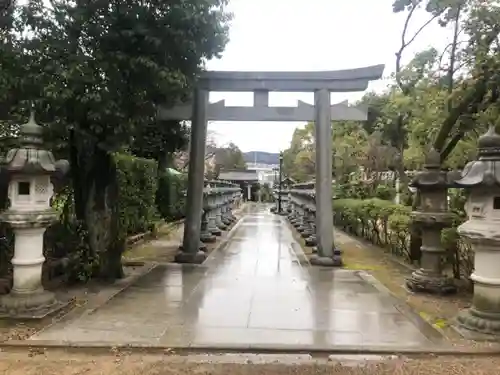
x=229 y=157
x=299 y=158
x=441 y=97
x=97 y=70
x=159 y=140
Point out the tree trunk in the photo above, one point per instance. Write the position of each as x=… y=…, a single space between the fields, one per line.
x=102 y=217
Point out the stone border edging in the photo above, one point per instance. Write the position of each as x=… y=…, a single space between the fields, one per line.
x=224 y=242
x=427 y=329
x=117 y=288
x=136 y=238
x=249 y=349
x=102 y=297
x=410 y=268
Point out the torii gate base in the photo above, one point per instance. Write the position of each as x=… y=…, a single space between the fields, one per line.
x=261 y=83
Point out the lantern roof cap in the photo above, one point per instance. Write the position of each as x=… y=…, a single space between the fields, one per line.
x=489 y=143
x=31 y=133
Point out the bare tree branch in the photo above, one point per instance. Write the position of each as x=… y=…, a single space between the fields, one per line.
x=404 y=43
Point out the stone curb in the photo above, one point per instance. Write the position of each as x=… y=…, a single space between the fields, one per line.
x=408 y=310
x=224 y=241
x=140 y=238
x=247 y=349
x=107 y=295
x=102 y=297
x=426 y=328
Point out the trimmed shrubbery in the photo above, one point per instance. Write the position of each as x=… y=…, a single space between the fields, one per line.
x=144 y=199
x=389 y=225
x=137 y=182
x=171 y=196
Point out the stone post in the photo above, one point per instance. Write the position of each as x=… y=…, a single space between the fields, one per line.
x=311 y=239
x=324 y=211
x=232 y=205
x=218 y=212
x=206 y=235
x=300 y=215
x=431 y=216
x=190 y=253
x=212 y=216
x=482 y=231
x=30 y=169
x=225 y=208
x=302 y=223
x=292 y=217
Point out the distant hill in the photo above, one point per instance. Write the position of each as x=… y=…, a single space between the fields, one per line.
x=261 y=157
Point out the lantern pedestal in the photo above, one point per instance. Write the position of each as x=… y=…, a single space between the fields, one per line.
x=27 y=298
x=484 y=314
x=482 y=231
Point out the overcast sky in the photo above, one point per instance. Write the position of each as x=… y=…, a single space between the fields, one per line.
x=273 y=35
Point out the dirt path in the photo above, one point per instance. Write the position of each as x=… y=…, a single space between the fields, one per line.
x=119 y=363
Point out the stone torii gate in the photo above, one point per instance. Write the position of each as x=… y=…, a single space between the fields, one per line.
x=261 y=83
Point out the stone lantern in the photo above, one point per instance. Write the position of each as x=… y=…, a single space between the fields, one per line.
x=30 y=169
x=482 y=231
x=432 y=216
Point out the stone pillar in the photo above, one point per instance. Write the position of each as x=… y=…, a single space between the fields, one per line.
x=232 y=205
x=301 y=223
x=212 y=215
x=190 y=252
x=324 y=210
x=482 y=231
x=311 y=239
x=225 y=208
x=249 y=192
x=218 y=212
x=431 y=216
x=205 y=235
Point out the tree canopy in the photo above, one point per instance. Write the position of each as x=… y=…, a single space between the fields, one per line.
x=442 y=97
x=96 y=71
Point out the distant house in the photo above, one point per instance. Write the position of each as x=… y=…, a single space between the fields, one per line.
x=248 y=180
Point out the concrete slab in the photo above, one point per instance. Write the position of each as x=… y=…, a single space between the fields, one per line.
x=252 y=292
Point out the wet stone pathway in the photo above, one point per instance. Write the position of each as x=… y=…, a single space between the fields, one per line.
x=252 y=292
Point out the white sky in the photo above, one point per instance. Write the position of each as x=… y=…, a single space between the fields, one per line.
x=313 y=35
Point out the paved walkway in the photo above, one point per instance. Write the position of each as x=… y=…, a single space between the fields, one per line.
x=252 y=292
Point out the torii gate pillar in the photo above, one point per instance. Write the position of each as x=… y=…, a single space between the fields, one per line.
x=261 y=83
x=190 y=252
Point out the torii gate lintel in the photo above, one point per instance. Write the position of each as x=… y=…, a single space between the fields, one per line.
x=261 y=83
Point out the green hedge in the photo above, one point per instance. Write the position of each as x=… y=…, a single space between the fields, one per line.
x=143 y=198
x=170 y=199
x=388 y=225
x=137 y=181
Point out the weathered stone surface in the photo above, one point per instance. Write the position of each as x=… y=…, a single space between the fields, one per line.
x=252 y=292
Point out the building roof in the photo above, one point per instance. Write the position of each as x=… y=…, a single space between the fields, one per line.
x=239 y=175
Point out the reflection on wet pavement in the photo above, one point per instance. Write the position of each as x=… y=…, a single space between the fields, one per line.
x=251 y=292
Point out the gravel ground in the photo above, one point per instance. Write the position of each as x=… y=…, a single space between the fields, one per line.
x=54 y=362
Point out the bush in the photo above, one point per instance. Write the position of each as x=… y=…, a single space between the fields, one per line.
x=170 y=199
x=137 y=181
x=388 y=225
x=385 y=192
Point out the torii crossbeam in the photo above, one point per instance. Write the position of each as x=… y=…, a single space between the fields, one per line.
x=261 y=84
